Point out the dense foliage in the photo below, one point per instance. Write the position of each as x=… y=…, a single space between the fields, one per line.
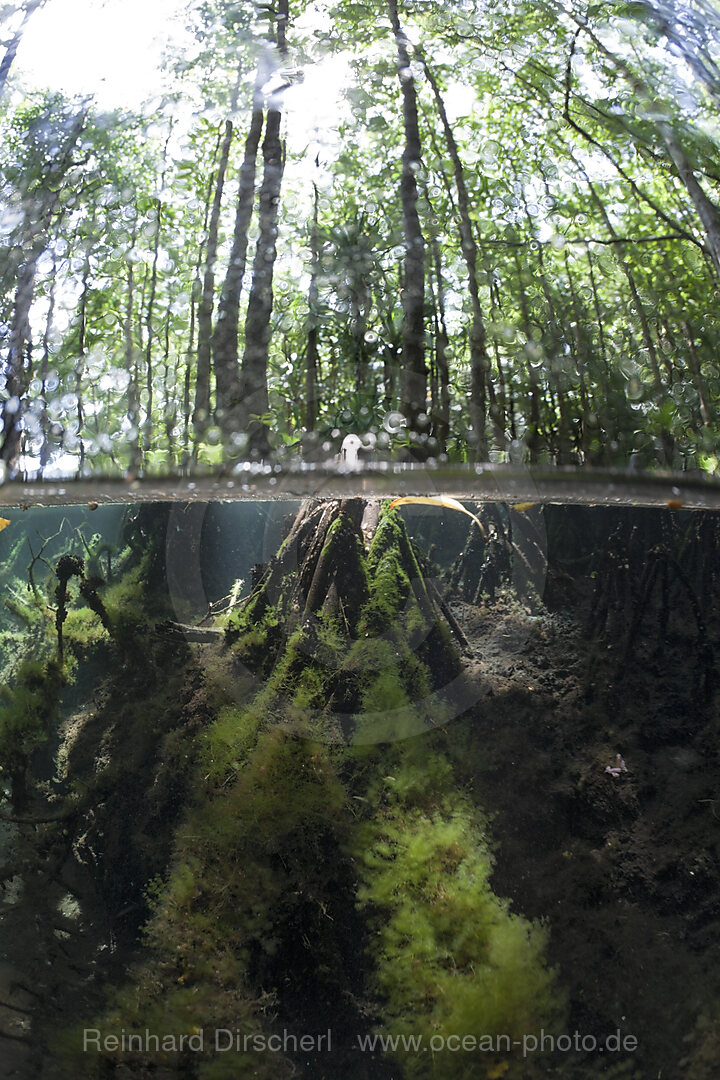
x=502 y=242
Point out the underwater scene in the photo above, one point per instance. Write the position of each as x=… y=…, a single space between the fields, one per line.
x=359 y=788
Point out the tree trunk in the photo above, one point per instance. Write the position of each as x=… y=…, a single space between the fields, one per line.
x=441 y=420
x=225 y=335
x=201 y=416
x=150 y=315
x=707 y=210
x=248 y=407
x=14 y=44
x=80 y=362
x=150 y=327
x=190 y=352
x=45 y=366
x=583 y=355
x=249 y=413
x=169 y=391
x=414 y=382
x=601 y=334
x=533 y=419
x=479 y=358
x=312 y=356
x=16 y=383
x=130 y=352
x=205 y=284
x=698 y=380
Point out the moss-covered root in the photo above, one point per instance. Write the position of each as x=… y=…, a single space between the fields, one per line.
x=402 y=606
x=309 y=528
x=339 y=582
x=320 y=563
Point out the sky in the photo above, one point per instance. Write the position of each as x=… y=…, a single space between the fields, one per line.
x=113 y=50
x=109 y=48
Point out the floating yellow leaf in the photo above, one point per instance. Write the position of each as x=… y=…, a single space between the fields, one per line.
x=449 y=504
x=4 y=523
x=522 y=507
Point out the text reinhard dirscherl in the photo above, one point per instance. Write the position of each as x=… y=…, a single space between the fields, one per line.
x=220 y=1040
x=223 y=1040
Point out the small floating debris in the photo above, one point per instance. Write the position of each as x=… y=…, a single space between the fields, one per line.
x=444 y=500
x=618 y=768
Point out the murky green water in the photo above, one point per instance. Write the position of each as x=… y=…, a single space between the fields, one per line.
x=289 y=785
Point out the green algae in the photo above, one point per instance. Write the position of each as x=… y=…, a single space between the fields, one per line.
x=27 y=710
x=257 y=863
x=450 y=958
x=315 y=881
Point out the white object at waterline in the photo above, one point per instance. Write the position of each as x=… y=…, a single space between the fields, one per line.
x=349 y=452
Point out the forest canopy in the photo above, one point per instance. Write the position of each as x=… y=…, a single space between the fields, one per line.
x=478 y=231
